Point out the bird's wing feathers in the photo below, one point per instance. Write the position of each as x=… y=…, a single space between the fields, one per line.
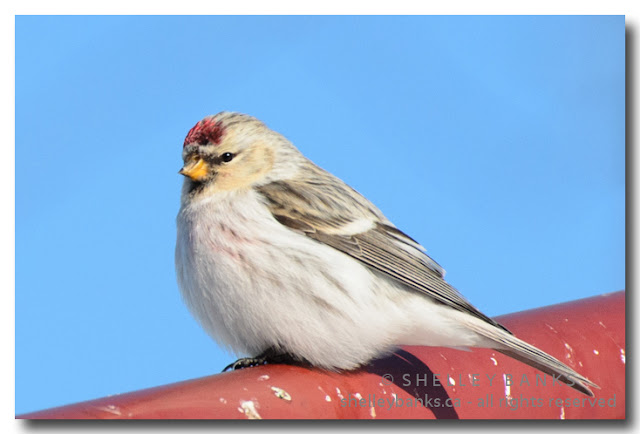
x=316 y=210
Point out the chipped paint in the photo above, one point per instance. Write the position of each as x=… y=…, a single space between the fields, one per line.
x=602 y=324
x=562 y=415
x=507 y=388
x=373 y=412
x=110 y=409
x=249 y=410
x=569 y=349
x=495 y=362
x=281 y=393
x=222 y=400
x=326 y=395
x=596 y=352
x=339 y=393
x=263 y=378
x=623 y=358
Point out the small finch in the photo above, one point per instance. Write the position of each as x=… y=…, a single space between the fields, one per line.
x=280 y=260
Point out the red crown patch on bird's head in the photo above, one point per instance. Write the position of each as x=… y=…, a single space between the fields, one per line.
x=204 y=132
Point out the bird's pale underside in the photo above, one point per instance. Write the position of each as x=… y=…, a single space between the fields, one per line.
x=276 y=256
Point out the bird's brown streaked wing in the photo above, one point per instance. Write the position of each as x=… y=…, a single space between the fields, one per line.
x=383 y=248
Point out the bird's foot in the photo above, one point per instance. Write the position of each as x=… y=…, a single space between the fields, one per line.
x=245 y=362
x=267 y=357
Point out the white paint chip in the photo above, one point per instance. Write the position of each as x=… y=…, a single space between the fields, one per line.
x=249 y=410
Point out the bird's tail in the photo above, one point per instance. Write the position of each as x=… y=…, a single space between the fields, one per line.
x=518 y=349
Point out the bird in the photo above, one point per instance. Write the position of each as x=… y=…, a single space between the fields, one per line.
x=282 y=261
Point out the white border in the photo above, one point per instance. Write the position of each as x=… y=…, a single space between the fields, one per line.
x=188 y=7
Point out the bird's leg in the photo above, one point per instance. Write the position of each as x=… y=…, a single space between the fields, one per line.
x=268 y=356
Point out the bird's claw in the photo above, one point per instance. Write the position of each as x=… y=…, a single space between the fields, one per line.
x=245 y=362
x=268 y=356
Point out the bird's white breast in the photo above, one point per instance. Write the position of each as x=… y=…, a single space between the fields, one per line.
x=253 y=283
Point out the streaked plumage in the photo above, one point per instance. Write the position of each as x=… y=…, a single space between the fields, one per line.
x=274 y=253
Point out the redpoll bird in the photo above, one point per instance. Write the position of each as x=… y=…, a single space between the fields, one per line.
x=276 y=257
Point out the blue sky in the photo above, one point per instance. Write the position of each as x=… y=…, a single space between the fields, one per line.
x=496 y=142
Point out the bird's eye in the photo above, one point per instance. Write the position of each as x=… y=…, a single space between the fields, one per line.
x=227 y=156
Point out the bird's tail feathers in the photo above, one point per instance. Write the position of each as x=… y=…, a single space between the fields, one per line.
x=520 y=350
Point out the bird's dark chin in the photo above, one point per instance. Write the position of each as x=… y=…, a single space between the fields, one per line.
x=195 y=187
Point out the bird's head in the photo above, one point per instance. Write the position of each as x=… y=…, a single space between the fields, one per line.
x=232 y=151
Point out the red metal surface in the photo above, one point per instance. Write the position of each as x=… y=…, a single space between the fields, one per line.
x=588 y=335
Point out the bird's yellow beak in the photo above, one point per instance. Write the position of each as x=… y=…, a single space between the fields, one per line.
x=196 y=169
